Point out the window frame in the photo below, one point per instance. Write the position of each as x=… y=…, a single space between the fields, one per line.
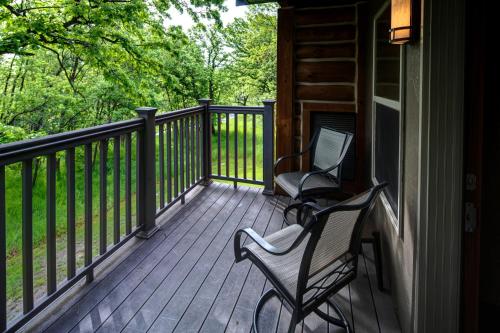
x=394 y=217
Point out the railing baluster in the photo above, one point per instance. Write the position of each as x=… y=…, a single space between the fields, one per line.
x=51 y=225
x=193 y=160
x=3 y=254
x=169 y=163
x=128 y=184
x=253 y=147
x=181 y=155
x=161 y=157
x=245 y=146
x=88 y=210
x=219 y=158
x=116 y=190
x=176 y=159
x=187 y=142
x=70 y=212
x=227 y=145
x=103 y=201
x=235 y=148
x=198 y=144
x=27 y=180
x=137 y=180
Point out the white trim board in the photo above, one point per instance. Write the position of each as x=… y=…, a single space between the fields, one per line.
x=396 y=219
x=437 y=265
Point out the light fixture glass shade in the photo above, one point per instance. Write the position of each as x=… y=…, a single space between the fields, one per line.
x=401 y=21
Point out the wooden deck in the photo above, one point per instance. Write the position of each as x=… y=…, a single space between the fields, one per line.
x=184 y=279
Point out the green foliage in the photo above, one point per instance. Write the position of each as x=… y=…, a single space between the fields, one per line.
x=69 y=64
x=253 y=60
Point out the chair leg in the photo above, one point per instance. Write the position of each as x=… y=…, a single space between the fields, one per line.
x=341 y=322
x=377 y=252
x=293 y=322
x=262 y=301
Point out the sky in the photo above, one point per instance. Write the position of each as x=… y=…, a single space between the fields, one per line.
x=186 y=22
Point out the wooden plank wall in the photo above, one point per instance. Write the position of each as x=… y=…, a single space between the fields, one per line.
x=320 y=70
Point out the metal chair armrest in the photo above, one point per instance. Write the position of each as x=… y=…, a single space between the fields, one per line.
x=286 y=157
x=239 y=250
x=282 y=158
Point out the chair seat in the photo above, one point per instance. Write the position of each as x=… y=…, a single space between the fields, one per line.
x=314 y=185
x=286 y=267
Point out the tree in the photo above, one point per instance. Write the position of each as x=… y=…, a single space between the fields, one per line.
x=253 y=57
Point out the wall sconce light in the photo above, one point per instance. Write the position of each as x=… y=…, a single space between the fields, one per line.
x=403 y=19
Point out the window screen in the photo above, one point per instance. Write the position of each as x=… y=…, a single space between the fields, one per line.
x=387 y=151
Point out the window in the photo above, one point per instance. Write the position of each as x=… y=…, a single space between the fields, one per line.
x=386 y=114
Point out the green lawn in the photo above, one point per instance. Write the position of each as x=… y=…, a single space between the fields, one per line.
x=258 y=146
x=14 y=205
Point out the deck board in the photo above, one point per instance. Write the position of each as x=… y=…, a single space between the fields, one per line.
x=185 y=279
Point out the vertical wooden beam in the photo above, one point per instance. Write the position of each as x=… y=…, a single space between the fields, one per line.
x=362 y=27
x=285 y=84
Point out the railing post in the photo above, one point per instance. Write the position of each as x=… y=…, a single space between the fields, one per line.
x=268 y=142
x=146 y=159
x=207 y=141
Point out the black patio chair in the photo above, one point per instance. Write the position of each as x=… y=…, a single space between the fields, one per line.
x=308 y=264
x=328 y=148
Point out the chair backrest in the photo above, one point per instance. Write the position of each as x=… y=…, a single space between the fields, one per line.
x=329 y=149
x=338 y=230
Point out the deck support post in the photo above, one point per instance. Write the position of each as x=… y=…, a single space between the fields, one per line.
x=268 y=151
x=207 y=142
x=146 y=159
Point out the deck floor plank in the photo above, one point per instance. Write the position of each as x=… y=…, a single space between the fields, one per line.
x=185 y=279
x=157 y=287
x=152 y=265
x=218 y=315
x=194 y=315
x=209 y=264
x=71 y=313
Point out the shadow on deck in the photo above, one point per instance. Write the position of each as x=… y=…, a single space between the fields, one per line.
x=184 y=279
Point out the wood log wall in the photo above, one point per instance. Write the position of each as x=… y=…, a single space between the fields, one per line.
x=320 y=69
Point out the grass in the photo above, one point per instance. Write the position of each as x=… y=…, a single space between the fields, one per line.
x=13 y=190
x=258 y=153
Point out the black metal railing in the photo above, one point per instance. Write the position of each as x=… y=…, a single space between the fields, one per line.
x=48 y=148
x=239 y=135
x=179 y=154
x=169 y=155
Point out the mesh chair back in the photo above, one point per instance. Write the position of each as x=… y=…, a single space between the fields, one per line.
x=329 y=149
x=337 y=235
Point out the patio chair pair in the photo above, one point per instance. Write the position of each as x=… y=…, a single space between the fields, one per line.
x=311 y=260
x=306 y=264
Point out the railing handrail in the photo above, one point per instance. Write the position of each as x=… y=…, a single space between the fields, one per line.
x=236 y=109
x=164 y=117
x=26 y=149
